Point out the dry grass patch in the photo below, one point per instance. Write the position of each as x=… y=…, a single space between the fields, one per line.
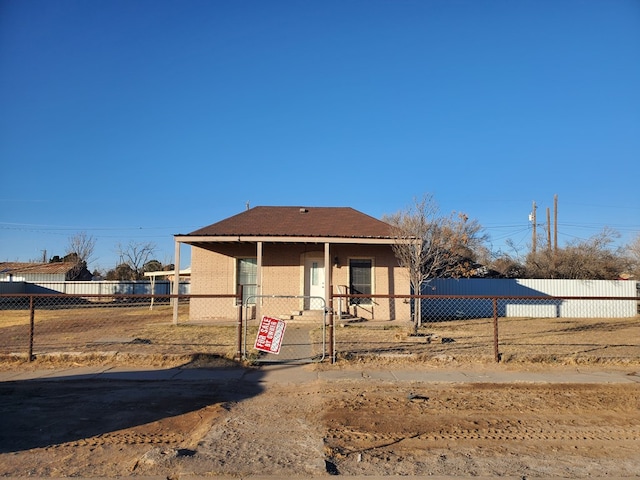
x=129 y=329
x=536 y=340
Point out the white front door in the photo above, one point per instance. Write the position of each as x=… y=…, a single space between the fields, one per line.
x=314 y=280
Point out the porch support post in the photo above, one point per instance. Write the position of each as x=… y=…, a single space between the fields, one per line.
x=176 y=282
x=328 y=280
x=258 y=279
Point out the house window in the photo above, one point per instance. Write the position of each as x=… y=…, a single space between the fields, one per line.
x=247 y=270
x=315 y=274
x=360 y=280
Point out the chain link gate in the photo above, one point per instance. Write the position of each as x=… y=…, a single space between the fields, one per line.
x=298 y=327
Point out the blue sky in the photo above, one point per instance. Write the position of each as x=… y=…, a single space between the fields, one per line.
x=134 y=120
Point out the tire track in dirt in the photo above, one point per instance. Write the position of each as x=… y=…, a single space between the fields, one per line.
x=549 y=434
x=349 y=428
x=393 y=430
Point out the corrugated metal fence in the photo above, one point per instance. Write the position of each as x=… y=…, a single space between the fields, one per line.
x=573 y=301
x=103 y=287
x=531 y=287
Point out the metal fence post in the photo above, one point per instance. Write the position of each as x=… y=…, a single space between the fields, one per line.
x=31 y=325
x=331 y=330
x=239 y=327
x=496 y=353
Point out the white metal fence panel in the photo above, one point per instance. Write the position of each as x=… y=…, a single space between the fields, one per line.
x=579 y=308
x=530 y=287
x=104 y=287
x=531 y=310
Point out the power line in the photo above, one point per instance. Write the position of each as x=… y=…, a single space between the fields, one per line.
x=41 y=228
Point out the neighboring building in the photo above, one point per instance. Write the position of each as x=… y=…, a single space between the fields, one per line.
x=42 y=272
x=299 y=252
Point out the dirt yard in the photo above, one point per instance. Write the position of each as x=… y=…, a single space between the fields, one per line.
x=112 y=428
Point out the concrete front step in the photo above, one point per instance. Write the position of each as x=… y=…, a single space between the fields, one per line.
x=307 y=316
x=304 y=316
x=306 y=313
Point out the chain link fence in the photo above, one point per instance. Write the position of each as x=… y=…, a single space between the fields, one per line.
x=490 y=328
x=569 y=329
x=52 y=324
x=464 y=328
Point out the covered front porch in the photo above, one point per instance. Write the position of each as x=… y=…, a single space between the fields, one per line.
x=305 y=268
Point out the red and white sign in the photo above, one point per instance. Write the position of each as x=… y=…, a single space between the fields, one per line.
x=270 y=335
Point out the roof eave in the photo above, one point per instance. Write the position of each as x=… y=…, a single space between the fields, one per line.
x=191 y=239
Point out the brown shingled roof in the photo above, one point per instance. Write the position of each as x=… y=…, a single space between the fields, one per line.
x=343 y=222
x=33 y=267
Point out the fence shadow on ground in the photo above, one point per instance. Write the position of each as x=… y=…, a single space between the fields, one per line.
x=88 y=407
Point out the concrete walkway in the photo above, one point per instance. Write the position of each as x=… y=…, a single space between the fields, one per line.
x=296 y=374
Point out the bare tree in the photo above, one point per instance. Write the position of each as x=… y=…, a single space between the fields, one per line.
x=633 y=253
x=135 y=255
x=593 y=259
x=429 y=245
x=82 y=246
x=507 y=267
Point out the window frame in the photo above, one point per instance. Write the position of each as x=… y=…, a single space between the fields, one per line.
x=238 y=277
x=362 y=301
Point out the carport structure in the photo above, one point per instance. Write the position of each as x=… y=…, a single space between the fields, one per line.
x=169 y=275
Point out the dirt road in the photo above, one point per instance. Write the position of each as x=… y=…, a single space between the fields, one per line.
x=111 y=428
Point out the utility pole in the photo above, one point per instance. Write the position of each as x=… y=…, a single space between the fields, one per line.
x=532 y=217
x=548 y=229
x=555 y=223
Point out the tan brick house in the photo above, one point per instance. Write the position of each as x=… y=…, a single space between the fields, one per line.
x=295 y=251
